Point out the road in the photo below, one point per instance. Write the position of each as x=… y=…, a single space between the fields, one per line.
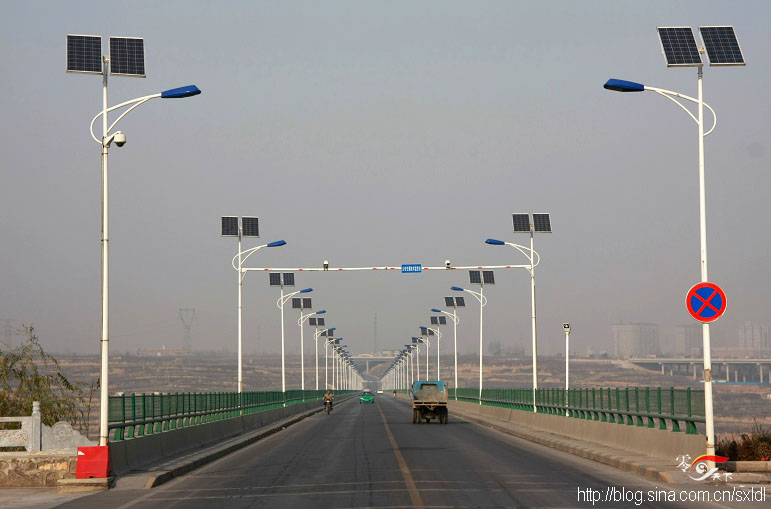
x=365 y=455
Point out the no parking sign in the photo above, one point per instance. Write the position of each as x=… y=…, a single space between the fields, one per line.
x=706 y=302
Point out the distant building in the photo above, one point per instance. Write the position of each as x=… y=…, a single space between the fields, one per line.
x=635 y=339
x=757 y=338
x=687 y=341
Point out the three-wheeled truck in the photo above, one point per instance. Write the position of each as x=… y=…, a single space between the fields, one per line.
x=429 y=401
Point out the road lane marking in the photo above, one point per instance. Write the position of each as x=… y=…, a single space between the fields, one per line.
x=413 y=490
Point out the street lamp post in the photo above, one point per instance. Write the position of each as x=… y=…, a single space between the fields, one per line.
x=331 y=341
x=234 y=226
x=300 y=322
x=316 y=334
x=435 y=332
x=282 y=281
x=486 y=278
x=84 y=55
x=453 y=302
x=722 y=49
x=541 y=224
x=417 y=340
x=566 y=328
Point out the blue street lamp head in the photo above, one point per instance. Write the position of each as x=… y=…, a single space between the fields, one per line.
x=178 y=93
x=277 y=243
x=495 y=242
x=414 y=338
x=434 y=310
x=321 y=311
x=623 y=86
x=331 y=329
x=306 y=290
x=456 y=288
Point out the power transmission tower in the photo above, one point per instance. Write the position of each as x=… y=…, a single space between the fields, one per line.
x=9 y=331
x=187 y=317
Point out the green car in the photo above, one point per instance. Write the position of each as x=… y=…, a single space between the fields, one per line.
x=366 y=397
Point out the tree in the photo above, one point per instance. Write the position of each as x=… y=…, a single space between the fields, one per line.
x=28 y=373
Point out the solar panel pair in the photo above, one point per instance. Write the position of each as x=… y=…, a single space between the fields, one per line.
x=452 y=302
x=488 y=276
x=541 y=223
x=127 y=55
x=680 y=50
x=279 y=279
x=250 y=226
x=301 y=303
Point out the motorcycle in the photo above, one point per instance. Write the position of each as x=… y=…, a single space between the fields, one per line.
x=328 y=406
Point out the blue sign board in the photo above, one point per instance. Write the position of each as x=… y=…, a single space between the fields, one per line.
x=706 y=302
x=411 y=268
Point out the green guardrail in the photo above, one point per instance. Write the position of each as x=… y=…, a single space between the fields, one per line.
x=632 y=406
x=137 y=415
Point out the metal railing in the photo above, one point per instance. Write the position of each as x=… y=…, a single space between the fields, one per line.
x=633 y=406
x=137 y=415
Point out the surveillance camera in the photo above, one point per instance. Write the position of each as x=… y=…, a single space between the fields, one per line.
x=119 y=138
x=326 y=265
x=447 y=264
x=566 y=326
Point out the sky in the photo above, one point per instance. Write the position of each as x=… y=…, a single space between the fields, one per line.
x=374 y=134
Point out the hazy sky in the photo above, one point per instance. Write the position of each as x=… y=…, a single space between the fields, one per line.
x=380 y=133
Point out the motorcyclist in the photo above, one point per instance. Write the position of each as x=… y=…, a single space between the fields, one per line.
x=328 y=396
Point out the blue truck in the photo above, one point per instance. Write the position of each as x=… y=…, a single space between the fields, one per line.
x=429 y=401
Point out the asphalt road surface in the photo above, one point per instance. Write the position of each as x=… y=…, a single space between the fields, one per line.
x=371 y=455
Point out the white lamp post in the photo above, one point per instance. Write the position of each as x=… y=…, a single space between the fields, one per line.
x=566 y=328
x=679 y=47
x=280 y=304
x=300 y=322
x=84 y=55
x=316 y=334
x=453 y=302
x=435 y=332
x=541 y=224
x=234 y=226
x=482 y=302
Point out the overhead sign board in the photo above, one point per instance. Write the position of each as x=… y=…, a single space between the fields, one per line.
x=412 y=268
x=706 y=302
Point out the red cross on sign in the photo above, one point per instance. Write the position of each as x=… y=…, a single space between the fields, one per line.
x=706 y=302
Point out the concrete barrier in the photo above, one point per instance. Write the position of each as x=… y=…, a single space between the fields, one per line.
x=666 y=445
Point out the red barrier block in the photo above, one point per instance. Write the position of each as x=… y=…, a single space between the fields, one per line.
x=93 y=462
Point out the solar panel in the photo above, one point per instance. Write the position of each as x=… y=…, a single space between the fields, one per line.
x=430 y=332
x=312 y=321
x=250 y=226
x=296 y=303
x=319 y=321
x=229 y=226
x=84 y=54
x=288 y=278
x=449 y=302
x=722 y=46
x=423 y=331
x=307 y=303
x=434 y=320
x=127 y=56
x=460 y=302
x=541 y=223
x=521 y=223
x=442 y=320
x=473 y=276
x=275 y=278
x=679 y=46
x=489 y=277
